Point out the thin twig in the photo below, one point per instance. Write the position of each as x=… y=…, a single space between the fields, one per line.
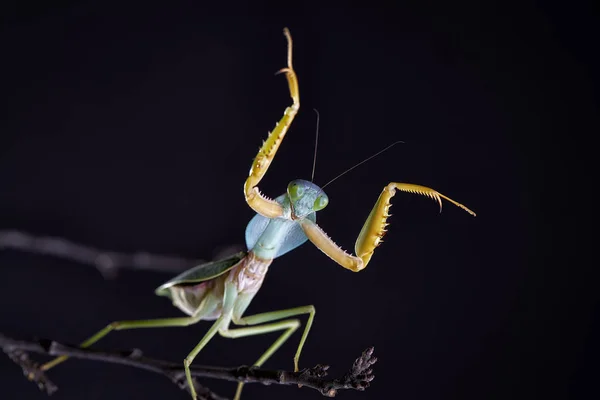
x=31 y=370
x=357 y=378
x=106 y=261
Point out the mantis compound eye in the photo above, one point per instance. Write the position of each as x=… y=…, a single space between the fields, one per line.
x=295 y=190
x=320 y=202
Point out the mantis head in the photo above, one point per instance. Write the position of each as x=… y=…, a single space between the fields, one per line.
x=305 y=197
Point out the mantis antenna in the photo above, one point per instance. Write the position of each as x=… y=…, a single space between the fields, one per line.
x=362 y=162
x=312 y=177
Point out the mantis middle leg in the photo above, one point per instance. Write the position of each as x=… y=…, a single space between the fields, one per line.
x=289 y=325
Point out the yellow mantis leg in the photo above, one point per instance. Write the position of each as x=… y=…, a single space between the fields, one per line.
x=373 y=229
x=258 y=202
x=289 y=325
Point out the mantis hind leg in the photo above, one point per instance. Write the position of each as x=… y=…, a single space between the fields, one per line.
x=204 y=309
x=289 y=325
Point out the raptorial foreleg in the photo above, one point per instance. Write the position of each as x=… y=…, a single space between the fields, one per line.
x=373 y=229
x=258 y=202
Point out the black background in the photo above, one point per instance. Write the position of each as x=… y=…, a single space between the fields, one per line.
x=133 y=128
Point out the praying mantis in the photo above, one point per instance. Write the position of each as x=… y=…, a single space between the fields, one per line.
x=221 y=291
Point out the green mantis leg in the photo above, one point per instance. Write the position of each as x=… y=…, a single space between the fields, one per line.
x=190 y=357
x=206 y=307
x=289 y=325
x=229 y=299
x=123 y=325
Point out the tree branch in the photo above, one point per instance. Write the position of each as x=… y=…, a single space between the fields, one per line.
x=106 y=261
x=358 y=377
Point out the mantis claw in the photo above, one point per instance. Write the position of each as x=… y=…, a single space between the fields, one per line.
x=283 y=70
